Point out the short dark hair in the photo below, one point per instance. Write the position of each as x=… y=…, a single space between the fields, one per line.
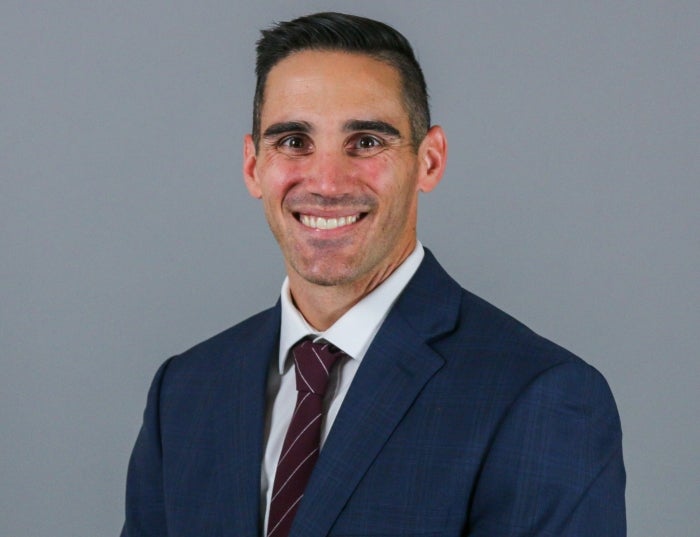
x=348 y=33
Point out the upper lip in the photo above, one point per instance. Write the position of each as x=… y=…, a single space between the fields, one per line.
x=325 y=207
x=328 y=213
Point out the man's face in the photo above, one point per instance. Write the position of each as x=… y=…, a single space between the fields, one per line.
x=335 y=168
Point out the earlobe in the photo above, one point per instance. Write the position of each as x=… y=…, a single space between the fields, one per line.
x=433 y=154
x=249 y=164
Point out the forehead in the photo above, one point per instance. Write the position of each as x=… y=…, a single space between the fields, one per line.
x=331 y=83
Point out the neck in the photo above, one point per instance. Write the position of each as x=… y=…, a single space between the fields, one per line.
x=323 y=305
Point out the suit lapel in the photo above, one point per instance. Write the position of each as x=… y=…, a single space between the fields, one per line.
x=397 y=366
x=242 y=424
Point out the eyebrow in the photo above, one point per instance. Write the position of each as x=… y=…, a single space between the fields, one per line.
x=287 y=126
x=353 y=125
x=372 y=125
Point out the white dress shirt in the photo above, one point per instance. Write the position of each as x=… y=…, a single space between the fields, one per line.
x=352 y=333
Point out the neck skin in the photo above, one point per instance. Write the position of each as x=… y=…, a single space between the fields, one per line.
x=323 y=305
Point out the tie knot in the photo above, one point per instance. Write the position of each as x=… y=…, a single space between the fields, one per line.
x=314 y=361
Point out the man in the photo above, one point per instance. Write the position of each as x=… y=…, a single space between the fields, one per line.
x=377 y=397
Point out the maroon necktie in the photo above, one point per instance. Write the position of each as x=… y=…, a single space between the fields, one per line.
x=312 y=363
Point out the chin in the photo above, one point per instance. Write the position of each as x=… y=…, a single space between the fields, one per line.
x=327 y=278
x=327 y=274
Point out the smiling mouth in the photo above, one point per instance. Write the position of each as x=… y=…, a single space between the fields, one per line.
x=319 y=222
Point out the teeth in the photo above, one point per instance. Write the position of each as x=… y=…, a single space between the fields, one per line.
x=318 y=222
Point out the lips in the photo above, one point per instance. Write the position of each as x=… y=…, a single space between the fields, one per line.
x=319 y=222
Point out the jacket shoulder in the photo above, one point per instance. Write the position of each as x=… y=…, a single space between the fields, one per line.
x=490 y=346
x=221 y=351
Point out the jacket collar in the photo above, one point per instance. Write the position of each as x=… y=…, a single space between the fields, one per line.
x=398 y=364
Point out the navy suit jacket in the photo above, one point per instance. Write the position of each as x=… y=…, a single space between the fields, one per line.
x=460 y=421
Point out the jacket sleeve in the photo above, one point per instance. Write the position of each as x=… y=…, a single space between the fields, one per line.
x=555 y=465
x=145 y=503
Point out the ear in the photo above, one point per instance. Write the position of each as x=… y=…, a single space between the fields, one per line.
x=250 y=159
x=432 y=156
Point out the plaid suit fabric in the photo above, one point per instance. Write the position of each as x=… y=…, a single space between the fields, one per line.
x=460 y=422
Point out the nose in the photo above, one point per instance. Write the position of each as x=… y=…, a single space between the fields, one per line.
x=330 y=173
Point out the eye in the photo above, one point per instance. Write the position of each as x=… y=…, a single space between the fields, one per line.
x=294 y=144
x=365 y=145
x=368 y=142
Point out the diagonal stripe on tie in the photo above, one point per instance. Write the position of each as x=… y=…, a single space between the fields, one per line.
x=313 y=363
x=293 y=443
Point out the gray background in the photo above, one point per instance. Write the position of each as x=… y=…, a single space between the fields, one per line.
x=570 y=200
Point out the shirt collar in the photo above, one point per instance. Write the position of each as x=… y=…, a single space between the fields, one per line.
x=356 y=329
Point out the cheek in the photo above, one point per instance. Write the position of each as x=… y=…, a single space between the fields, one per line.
x=276 y=178
x=372 y=167
x=379 y=174
x=390 y=179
